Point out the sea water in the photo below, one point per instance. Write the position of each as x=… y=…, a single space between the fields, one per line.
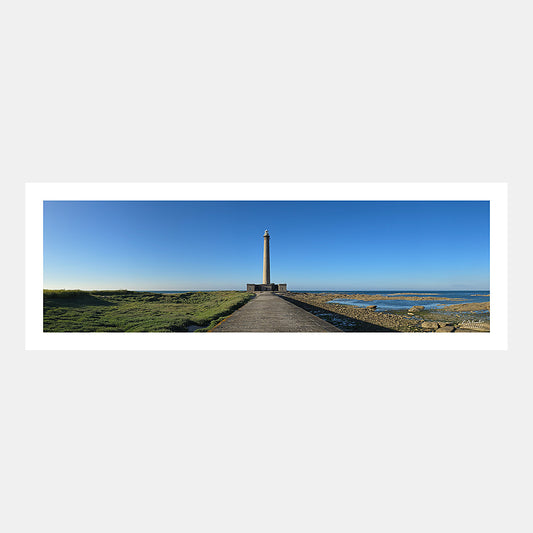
x=455 y=297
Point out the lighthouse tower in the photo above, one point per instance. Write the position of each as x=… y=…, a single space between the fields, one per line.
x=266 y=258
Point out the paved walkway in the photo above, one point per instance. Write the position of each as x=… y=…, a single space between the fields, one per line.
x=267 y=312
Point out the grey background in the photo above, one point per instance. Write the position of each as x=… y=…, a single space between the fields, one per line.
x=263 y=441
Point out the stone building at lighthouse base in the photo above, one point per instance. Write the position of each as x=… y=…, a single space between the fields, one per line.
x=274 y=287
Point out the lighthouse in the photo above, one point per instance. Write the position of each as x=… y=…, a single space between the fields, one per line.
x=266 y=285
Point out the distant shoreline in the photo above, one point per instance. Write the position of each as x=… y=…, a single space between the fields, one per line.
x=394 y=292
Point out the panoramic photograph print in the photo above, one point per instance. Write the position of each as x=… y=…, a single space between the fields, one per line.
x=266 y=266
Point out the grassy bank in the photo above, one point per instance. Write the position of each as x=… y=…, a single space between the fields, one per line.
x=125 y=311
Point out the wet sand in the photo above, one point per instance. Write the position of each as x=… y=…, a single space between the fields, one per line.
x=414 y=293
x=477 y=306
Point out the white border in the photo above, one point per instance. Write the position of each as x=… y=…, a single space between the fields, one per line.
x=36 y=193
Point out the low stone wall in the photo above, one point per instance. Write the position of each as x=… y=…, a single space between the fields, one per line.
x=270 y=287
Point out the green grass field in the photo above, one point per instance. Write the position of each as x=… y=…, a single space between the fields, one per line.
x=125 y=311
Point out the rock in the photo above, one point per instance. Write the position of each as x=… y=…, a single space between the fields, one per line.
x=430 y=325
x=371 y=307
x=444 y=324
x=476 y=326
x=445 y=329
x=416 y=308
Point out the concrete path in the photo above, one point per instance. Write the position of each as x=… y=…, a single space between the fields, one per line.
x=267 y=312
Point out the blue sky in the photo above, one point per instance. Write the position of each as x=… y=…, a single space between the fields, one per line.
x=219 y=245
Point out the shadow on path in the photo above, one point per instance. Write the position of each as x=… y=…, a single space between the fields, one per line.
x=342 y=321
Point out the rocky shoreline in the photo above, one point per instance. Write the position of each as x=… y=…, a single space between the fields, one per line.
x=477 y=306
x=397 y=296
x=450 y=318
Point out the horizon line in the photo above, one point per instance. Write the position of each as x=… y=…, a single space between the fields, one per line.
x=237 y=289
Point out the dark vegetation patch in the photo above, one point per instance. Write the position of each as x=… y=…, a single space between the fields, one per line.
x=129 y=311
